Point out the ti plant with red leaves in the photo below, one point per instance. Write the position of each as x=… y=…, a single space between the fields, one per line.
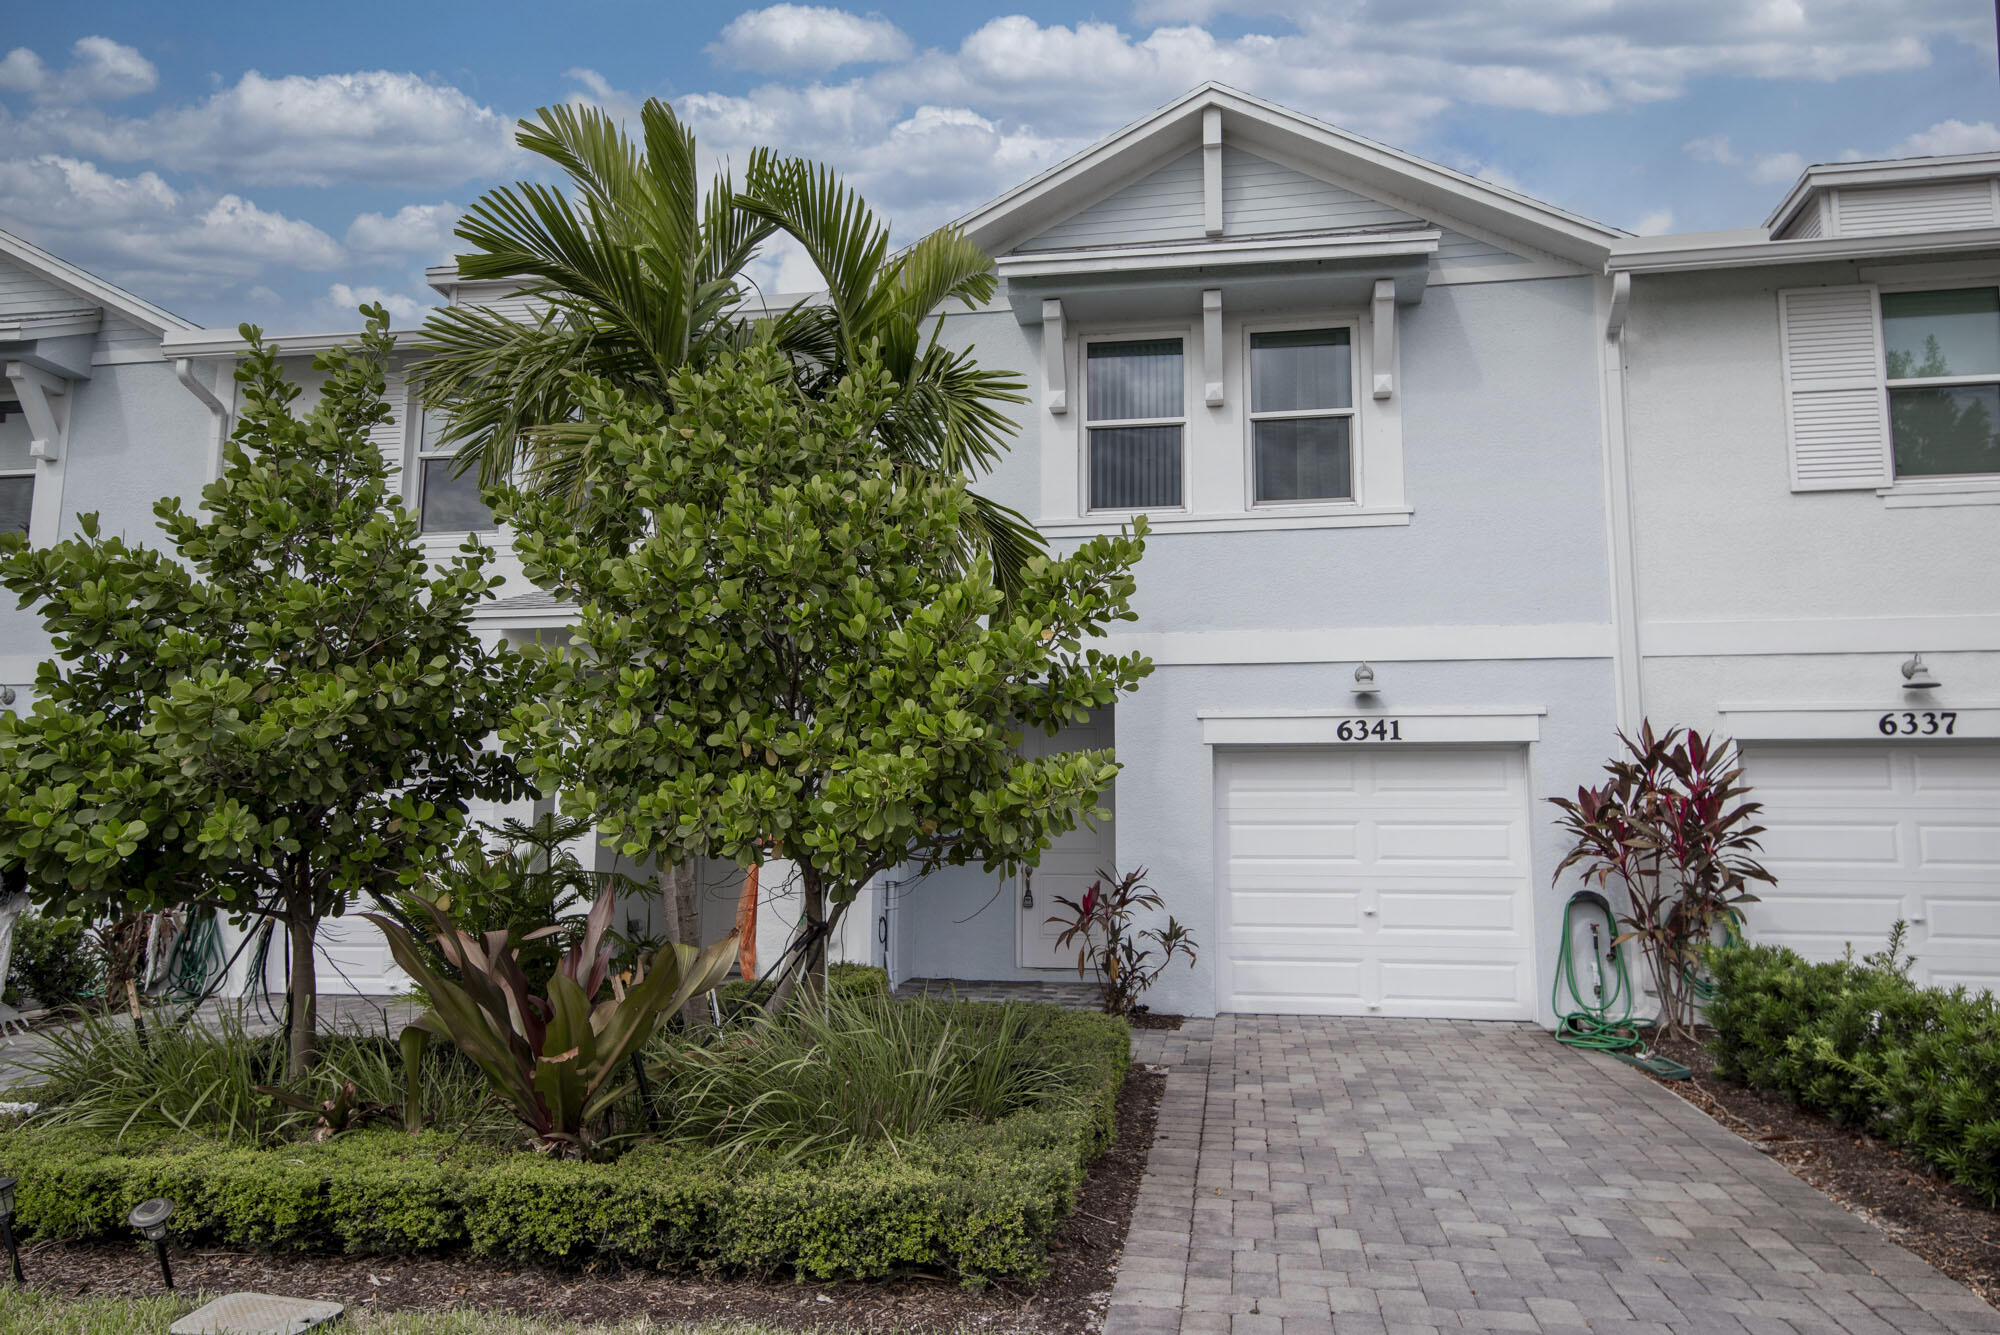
x=1673 y=827
x=551 y=1057
x=1100 y=926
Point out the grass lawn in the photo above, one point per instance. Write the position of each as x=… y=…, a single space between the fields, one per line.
x=31 y=1312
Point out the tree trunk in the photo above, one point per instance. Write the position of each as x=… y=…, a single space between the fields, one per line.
x=805 y=971
x=300 y=928
x=683 y=927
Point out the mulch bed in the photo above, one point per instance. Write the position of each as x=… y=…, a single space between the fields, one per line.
x=1082 y=1262
x=1922 y=1211
x=1145 y=1019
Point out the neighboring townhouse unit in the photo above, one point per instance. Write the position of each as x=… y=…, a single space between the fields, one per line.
x=1812 y=420
x=93 y=417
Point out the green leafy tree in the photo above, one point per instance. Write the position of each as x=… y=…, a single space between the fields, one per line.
x=637 y=274
x=779 y=651
x=286 y=713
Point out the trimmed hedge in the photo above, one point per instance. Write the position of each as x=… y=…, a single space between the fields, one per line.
x=1861 y=1043
x=971 y=1199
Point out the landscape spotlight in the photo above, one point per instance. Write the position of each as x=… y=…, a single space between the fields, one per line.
x=150 y=1218
x=7 y=1227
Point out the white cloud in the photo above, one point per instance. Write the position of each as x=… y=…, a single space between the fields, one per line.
x=1657 y=223
x=1763 y=168
x=142 y=233
x=100 y=70
x=414 y=229
x=1949 y=137
x=807 y=37
x=372 y=126
x=342 y=302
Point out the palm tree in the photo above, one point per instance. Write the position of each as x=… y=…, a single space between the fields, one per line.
x=636 y=274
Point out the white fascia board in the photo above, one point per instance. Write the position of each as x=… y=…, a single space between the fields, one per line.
x=1879 y=171
x=220 y=343
x=1252 y=121
x=1201 y=254
x=1863 y=721
x=1761 y=254
x=1377 y=644
x=1322 y=727
x=89 y=286
x=50 y=324
x=541 y=618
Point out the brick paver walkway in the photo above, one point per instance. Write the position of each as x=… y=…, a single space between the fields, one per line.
x=1312 y=1176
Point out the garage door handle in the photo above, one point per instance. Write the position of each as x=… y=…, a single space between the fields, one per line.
x=1916 y=922
x=1369 y=913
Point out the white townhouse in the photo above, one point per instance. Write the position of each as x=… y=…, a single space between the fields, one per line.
x=1446 y=485
x=1811 y=424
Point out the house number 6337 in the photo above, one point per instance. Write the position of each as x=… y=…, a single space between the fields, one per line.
x=1366 y=730
x=1920 y=722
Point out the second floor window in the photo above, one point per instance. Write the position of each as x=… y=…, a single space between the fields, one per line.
x=17 y=475
x=1942 y=350
x=447 y=500
x=1302 y=415
x=1135 y=397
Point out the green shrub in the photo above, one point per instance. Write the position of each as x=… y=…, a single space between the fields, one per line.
x=854 y=980
x=860 y=1069
x=1864 y=1045
x=100 y=1076
x=53 y=962
x=967 y=1198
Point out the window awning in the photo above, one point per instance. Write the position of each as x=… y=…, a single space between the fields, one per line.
x=1156 y=279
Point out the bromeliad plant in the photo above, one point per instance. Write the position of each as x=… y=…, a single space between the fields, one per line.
x=1671 y=826
x=1100 y=926
x=552 y=1058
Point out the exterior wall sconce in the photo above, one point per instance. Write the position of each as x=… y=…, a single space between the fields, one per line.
x=1916 y=676
x=1027 y=888
x=150 y=1218
x=7 y=1228
x=1364 y=681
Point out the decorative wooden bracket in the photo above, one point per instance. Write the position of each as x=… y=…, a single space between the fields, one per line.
x=1385 y=337
x=1211 y=344
x=45 y=403
x=1055 y=366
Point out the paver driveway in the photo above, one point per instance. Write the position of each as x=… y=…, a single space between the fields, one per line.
x=1317 y=1175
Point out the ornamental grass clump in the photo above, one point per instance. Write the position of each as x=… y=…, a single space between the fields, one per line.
x=855 y=1071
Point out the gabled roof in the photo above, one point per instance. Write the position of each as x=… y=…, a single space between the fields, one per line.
x=89 y=286
x=1881 y=171
x=1253 y=124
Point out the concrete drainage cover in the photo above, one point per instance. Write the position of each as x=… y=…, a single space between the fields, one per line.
x=256 y=1314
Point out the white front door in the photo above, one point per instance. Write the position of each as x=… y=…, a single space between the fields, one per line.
x=1860 y=835
x=1375 y=880
x=1067 y=866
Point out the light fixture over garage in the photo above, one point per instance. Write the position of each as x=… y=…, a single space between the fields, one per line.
x=1916 y=676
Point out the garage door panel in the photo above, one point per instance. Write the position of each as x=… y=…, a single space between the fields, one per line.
x=1843 y=843
x=1462 y=842
x=1861 y=835
x=1496 y=911
x=1307 y=907
x=1952 y=771
x=1457 y=773
x=1462 y=987
x=1959 y=846
x=1416 y=906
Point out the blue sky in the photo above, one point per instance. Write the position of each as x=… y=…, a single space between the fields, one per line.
x=277 y=163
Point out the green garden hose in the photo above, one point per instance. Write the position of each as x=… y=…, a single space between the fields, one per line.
x=196 y=954
x=1591 y=1023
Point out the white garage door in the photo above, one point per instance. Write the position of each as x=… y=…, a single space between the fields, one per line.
x=354 y=957
x=1860 y=835
x=1375 y=881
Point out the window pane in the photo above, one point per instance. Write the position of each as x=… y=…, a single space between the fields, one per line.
x=452 y=504
x=1942 y=333
x=1300 y=370
x=1134 y=379
x=17 y=501
x=1940 y=432
x=1135 y=467
x=1304 y=459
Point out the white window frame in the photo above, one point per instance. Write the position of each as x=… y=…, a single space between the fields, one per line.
x=33 y=487
x=1932 y=488
x=1190 y=338
x=416 y=417
x=1352 y=412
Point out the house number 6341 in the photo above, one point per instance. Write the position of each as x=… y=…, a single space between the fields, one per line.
x=1919 y=722
x=1365 y=730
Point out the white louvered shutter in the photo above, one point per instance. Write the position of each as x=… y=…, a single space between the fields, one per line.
x=392 y=436
x=1836 y=406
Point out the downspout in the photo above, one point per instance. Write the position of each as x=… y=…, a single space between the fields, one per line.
x=1628 y=666
x=184 y=372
